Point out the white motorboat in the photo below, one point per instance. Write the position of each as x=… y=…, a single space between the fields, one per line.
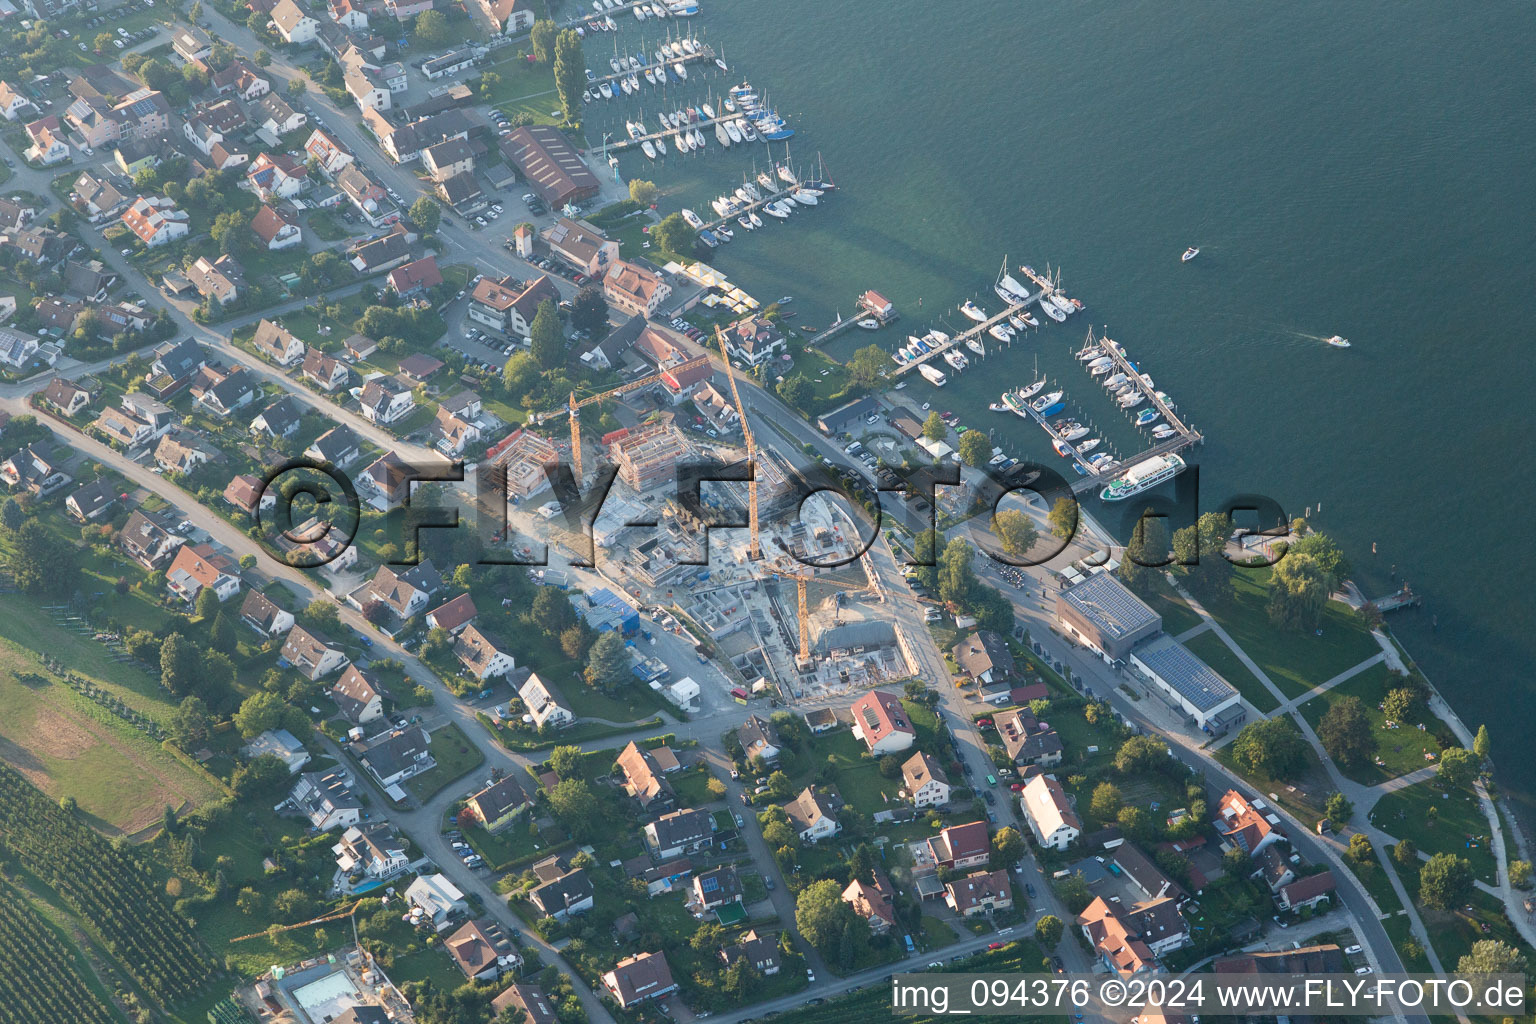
x=692 y=219
x=1162 y=432
x=648 y=149
x=681 y=69
x=1028 y=318
x=933 y=375
x=869 y=325
x=788 y=202
x=624 y=82
x=757 y=221
x=956 y=360
x=639 y=10
x=775 y=210
x=974 y=311
x=818 y=193
x=610 y=24
x=732 y=131
x=658 y=11
x=804 y=198
x=730 y=106
x=691 y=45
x=997 y=331
x=724 y=233
x=721 y=207
x=1099 y=371
x=1337 y=342
x=613 y=62
x=741 y=194
x=1190 y=253
x=975 y=345
x=747 y=131
x=752 y=190
x=1045 y=401
x=745 y=223
x=1016 y=323
x=721 y=136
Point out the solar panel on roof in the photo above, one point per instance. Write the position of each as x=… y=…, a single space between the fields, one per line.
x=1194 y=680
x=1106 y=602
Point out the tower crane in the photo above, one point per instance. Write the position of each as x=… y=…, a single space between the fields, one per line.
x=803 y=615
x=575 y=404
x=755 y=552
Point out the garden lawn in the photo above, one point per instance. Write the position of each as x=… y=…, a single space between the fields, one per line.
x=1303 y=796
x=455 y=755
x=1210 y=648
x=1177 y=615
x=1454 y=933
x=1295 y=661
x=513 y=846
x=1399 y=929
x=1460 y=829
x=1399 y=750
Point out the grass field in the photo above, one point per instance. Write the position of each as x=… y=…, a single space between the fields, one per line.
x=1295 y=661
x=1398 y=750
x=1210 y=648
x=1460 y=828
x=1482 y=917
x=456 y=757
x=1177 y=615
x=68 y=746
x=1400 y=930
x=1304 y=796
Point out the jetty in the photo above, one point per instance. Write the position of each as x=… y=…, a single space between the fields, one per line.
x=871 y=306
x=705 y=53
x=623 y=8
x=960 y=339
x=660 y=138
x=743 y=208
x=1402 y=598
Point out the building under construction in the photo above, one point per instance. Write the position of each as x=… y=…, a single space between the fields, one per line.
x=647 y=456
x=521 y=456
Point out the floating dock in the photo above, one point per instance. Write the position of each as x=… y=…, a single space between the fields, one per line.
x=661 y=138
x=705 y=53
x=960 y=339
x=864 y=310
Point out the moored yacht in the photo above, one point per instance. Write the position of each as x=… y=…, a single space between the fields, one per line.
x=974 y=311
x=975 y=345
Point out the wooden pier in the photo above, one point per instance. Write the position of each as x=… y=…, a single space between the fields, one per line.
x=787 y=190
x=705 y=53
x=842 y=323
x=660 y=138
x=623 y=8
x=964 y=336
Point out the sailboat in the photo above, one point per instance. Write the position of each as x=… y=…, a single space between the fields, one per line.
x=648 y=149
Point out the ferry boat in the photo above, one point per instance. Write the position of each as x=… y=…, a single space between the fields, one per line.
x=956 y=359
x=933 y=375
x=1146 y=417
x=1143 y=476
x=974 y=311
x=1337 y=342
x=1044 y=401
x=1190 y=253
x=975 y=345
x=692 y=219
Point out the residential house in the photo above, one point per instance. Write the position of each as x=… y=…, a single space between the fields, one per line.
x=405 y=592
x=274 y=230
x=482 y=951
x=980 y=892
x=874 y=901
x=638 y=978
x=679 y=832
x=48 y=142
x=222 y=279
x=1139 y=870
x=508 y=17
x=274 y=118
x=544 y=703
x=244 y=491
x=366 y=85
x=754 y=340
x=280 y=175
x=812 y=816
x=90 y=278
x=277 y=343
x=328 y=152
x=984 y=656
x=482 y=656
x=507 y=306
x=418 y=368
x=183 y=451
x=881 y=722
x=643 y=779
x=1027 y=740
x=174 y=365
x=1128 y=940
x=452 y=434
x=234 y=390
x=395 y=756
x=66 y=396
x=263 y=615
x=530 y=1000
x=1249 y=825
x=192 y=45
x=924 y=782
x=338 y=446
x=373 y=850
x=1049 y=813
x=415 y=277
x=241 y=79
x=123 y=427
x=453 y=615
x=448 y=158
x=12 y=103
x=279 y=420
x=385 y=401
x=448 y=64
x=96 y=199
x=438 y=898
x=281 y=744
x=323 y=370
x=314 y=654
x=762 y=953
x=387 y=480
x=90 y=502
x=35 y=470
x=368 y=198
x=634 y=290
x=359 y=346
x=561 y=892
x=758 y=738
x=156 y=220
x=958 y=847
x=16 y=348
x=293 y=23
x=326 y=800
x=1307 y=891
x=716 y=888
x=358 y=696
x=383 y=253
x=147 y=541
x=227 y=155
x=197 y=566
x=579 y=244
x=347 y=14
x=498 y=805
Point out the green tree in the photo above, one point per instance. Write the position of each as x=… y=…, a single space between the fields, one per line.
x=520 y=374
x=265 y=776
x=545 y=339
x=11 y=515
x=779 y=786
x=1346 y=732
x=297 y=87
x=589 y=310
x=426 y=212
x=551 y=612
x=542 y=37
x=673 y=235
x=1014 y=530
x=1074 y=891
x=821 y=915
x=1322 y=549
x=608 y=665
x=1138 y=823
x=1482 y=745
x=158 y=74
x=1106 y=801
x=207 y=605
x=1271 y=746
x=1007 y=847
x=868 y=366
x=1142 y=755
x=1048 y=931
x=565 y=761
x=925 y=556
x=41 y=561
x=570 y=73
x=1147 y=550
x=1339 y=810
x=258 y=713
x=576 y=640
x=577 y=808
x=707 y=937
x=180 y=664
x=975 y=448
x=262 y=58
x=934 y=428
x=190 y=724
x=1063 y=518
x=1406 y=852
x=1298 y=592
x=1445 y=881
x=221 y=635
x=797 y=391
x=432 y=28
x=103 y=42
x=1360 y=850
x=956 y=574
x=1458 y=766
x=642 y=191
x=1492 y=956
x=1402 y=705
x=1520 y=874
x=1201 y=547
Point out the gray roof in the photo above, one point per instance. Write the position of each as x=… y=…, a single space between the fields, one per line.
x=868 y=633
x=1104 y=601
x=1195 y=681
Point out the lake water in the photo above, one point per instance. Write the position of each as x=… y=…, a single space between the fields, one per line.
x=1361 y=169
